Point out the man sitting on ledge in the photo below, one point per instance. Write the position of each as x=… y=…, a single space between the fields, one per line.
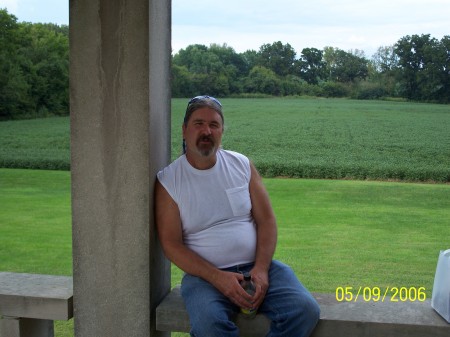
x=215 y=222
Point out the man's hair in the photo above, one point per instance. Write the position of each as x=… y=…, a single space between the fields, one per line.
x=202 y=102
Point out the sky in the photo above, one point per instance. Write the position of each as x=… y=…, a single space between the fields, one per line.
x=248 y=24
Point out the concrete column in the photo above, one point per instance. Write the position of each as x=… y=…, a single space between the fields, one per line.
x=120 y=137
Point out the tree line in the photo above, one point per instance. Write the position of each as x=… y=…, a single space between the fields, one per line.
x=416 y=68
x=34 y=70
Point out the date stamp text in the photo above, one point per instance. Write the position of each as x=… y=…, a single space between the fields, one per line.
x=377 y=294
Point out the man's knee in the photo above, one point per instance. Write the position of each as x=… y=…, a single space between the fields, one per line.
x=307 y=314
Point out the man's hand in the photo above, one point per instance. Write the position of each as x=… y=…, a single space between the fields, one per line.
x=261 y=280
x=228 y=283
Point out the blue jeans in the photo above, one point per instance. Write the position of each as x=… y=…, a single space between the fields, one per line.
x=291 y=308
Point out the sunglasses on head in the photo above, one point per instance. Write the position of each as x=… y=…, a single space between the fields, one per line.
x=199 y=98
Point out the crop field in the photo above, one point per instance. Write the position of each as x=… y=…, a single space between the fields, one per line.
x=338 y=139
x=36 y=143
x=287 y=137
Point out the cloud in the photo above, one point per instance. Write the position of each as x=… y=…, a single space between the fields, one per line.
x=44 y=11
x=345 y=24
x=248 y=24
x=11 y=5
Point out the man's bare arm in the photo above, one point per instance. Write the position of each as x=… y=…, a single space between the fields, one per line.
x=266 y=234
x=265 y=220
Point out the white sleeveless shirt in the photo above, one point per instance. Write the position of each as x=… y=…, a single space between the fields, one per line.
x=215 y=207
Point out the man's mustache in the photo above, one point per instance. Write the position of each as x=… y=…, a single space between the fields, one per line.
x=205 y=139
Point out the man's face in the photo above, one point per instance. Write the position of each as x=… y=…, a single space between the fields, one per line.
x=203 y=132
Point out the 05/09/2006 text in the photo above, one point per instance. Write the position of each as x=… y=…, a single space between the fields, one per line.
x=376 y=294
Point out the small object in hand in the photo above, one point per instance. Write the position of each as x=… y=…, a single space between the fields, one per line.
x=249 y=287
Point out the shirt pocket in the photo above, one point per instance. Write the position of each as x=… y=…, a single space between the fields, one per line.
x=239 y=199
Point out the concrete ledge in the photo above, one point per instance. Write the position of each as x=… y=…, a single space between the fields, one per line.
x=171 y=315
x=43 y=297
x=378 y=319
x=338 y=319
x=26 y=327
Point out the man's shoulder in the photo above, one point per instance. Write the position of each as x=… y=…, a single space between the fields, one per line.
x=234 y=154
x=172 y=167
x=237 y=160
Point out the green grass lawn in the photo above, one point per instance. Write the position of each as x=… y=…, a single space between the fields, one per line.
x=354 y=233
x=35 y=221
x=333 y=233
